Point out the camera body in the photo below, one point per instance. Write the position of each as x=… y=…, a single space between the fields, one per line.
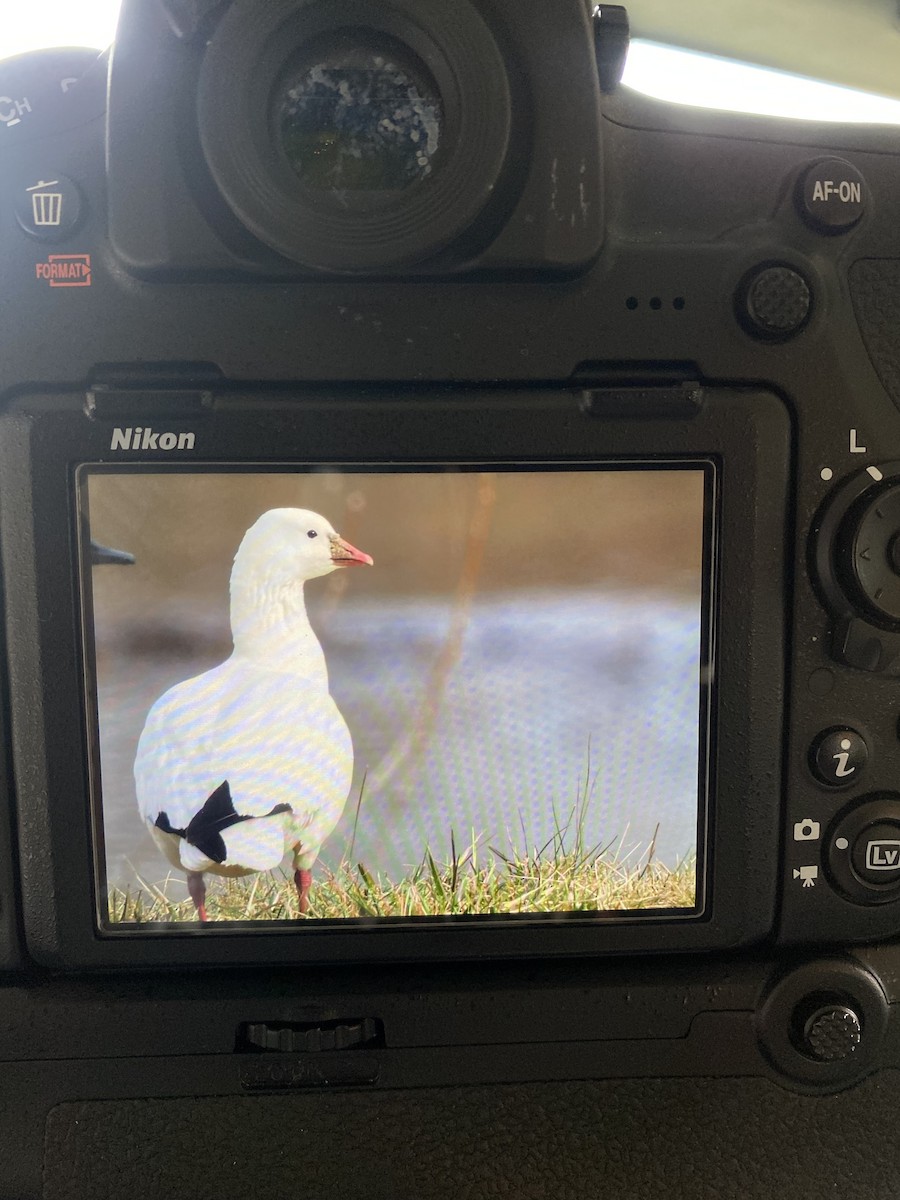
x=570 y=286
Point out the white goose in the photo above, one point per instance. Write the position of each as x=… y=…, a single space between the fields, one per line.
x=251 y=759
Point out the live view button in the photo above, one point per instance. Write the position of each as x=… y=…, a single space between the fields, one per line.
x=876 y=854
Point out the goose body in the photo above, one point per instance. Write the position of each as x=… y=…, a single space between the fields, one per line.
x=252 y=759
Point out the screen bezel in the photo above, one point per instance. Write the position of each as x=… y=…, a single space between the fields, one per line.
x=746 y=433
x=705 y=667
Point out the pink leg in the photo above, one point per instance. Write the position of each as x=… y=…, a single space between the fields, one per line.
x=303 y=879
x=197 y=890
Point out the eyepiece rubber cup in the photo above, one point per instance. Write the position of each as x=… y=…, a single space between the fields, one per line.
x=247 y=56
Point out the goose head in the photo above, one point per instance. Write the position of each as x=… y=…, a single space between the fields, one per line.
x=287 y=546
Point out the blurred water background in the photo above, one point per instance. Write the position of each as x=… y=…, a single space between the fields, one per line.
x=524 y=654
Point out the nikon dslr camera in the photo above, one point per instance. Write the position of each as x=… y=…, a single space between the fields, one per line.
x=450 y=535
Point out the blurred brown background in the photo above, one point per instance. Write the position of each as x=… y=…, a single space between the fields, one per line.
x=625 y=528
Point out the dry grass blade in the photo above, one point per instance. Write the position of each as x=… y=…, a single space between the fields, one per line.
x=504 y=884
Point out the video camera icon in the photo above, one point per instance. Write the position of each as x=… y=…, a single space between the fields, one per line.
x=807 y=875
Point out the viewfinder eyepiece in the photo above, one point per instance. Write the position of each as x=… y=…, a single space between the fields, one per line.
x=355 y=136
x=358 y=112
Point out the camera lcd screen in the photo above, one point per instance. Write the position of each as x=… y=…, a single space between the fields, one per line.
x=355 y=694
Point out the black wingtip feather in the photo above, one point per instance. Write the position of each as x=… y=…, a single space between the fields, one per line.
x=162 y=822
x=206 y=827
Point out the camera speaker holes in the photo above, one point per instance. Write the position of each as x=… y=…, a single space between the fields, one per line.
x=656 y=303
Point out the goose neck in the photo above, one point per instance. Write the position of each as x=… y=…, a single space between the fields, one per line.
x=269 y=621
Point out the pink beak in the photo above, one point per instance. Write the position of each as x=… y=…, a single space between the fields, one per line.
x=345 y=555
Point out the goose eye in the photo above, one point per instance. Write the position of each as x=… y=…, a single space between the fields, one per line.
x=312 y=533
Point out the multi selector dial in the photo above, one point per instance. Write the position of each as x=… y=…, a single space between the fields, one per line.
x=869 y=552
x=857 y=559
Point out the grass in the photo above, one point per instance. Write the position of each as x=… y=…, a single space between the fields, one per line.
x=546 y=880
x=563 y=874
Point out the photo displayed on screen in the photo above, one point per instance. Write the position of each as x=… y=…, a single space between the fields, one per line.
x=318 y=696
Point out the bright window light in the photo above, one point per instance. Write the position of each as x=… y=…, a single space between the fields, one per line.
x=57 y=23
x=702 y=80
x=664 y=72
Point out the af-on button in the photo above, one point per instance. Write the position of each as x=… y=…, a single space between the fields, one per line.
x=831 y=196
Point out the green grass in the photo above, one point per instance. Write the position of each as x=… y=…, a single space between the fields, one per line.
x=546 y=880
x=563 y=874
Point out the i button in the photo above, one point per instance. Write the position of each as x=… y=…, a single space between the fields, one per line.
x=838 y=757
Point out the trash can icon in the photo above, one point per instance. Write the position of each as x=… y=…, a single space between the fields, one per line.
x=46 y=207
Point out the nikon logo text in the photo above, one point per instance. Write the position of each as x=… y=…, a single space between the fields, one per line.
x=149 y=439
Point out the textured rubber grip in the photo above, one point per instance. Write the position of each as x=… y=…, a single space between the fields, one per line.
x=875 y=291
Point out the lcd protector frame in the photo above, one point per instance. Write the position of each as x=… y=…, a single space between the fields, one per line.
x=457 y=858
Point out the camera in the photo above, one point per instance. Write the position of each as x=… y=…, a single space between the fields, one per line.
x=449 y=519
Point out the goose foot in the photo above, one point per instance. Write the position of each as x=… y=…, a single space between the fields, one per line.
x=197 y=890
x=303 y=879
